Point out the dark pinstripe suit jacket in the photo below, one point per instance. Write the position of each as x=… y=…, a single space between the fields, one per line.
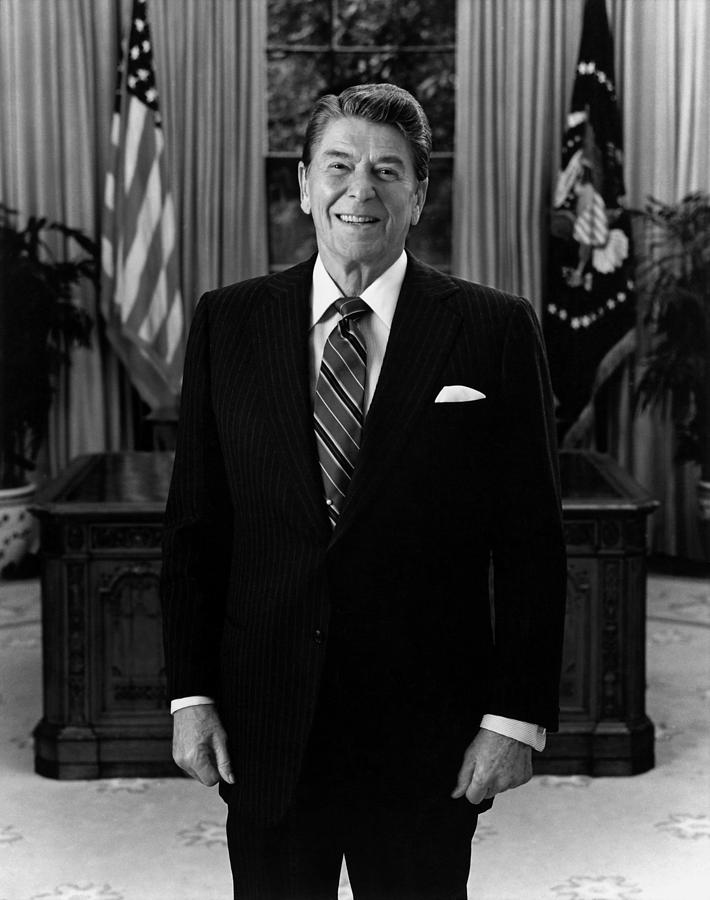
x=256 y=587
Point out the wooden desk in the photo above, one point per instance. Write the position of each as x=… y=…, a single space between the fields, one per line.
x=604 y=729
x=104 y=684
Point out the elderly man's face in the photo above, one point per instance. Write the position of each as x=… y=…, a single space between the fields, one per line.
x=362 y=192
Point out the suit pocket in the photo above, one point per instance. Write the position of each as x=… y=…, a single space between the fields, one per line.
x=470 y=416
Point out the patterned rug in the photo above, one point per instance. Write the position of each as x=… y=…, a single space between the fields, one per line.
x=558 y=838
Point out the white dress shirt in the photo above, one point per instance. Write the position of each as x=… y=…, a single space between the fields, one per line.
x=381 y=296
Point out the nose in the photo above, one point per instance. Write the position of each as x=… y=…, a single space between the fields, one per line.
x=361 y=186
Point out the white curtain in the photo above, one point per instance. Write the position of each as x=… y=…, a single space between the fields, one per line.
x=57 y=77
x=514 y=66
x=57 y=69
x=663 y=76
x=515 y=70
x=210 y=66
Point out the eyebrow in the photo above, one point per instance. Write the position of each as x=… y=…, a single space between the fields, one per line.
x=381 y=160
x=396 y=160
x=341 y=154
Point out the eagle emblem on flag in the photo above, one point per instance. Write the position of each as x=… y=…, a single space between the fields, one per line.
x=589 y=308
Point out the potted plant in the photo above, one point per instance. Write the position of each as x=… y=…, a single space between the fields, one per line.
x=39 y=326
x=674 y=278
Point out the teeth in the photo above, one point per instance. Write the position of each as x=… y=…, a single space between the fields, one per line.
x=356 y=220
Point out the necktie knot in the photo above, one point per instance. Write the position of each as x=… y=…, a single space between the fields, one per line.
x=350 y=307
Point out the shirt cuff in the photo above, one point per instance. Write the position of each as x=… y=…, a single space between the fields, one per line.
x=182 y=702
x=525 y=732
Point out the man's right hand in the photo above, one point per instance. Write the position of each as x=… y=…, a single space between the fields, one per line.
x=200 y=744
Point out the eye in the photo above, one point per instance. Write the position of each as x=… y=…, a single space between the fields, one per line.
x=387 y=174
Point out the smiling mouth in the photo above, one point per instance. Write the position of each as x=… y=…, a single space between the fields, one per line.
x=356 y=220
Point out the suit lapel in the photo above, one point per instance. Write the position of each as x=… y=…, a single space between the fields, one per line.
x=422 y=334
x=282 y=337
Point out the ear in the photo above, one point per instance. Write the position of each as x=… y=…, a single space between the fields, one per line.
x=419 y=198
x=303 y=183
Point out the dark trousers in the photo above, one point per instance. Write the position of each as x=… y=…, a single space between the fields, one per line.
x=395 y=849
x=391 y=854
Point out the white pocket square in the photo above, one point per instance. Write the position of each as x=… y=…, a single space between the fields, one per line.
x=458 y=393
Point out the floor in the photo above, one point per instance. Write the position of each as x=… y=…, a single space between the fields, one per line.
x=558 y=838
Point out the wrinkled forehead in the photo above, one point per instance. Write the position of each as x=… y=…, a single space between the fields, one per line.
x=354 y=137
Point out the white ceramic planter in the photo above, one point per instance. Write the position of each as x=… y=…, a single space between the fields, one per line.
x=19 y=531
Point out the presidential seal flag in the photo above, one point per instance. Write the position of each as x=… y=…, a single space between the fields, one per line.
x=589 y=312
x=140 y=297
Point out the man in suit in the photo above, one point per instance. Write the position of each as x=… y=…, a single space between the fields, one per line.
x=363 y=442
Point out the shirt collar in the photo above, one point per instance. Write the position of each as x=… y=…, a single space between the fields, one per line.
x=381 y=296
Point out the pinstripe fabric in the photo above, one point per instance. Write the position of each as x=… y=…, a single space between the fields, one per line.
x=338 y=404
x=256 y=584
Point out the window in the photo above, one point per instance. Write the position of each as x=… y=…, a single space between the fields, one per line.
x=324 y=46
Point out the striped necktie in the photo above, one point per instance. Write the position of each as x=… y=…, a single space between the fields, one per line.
x=338 y=409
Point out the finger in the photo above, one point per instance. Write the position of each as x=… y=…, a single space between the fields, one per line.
x=464 y=776
x=478 y=790
x=209 y=776
x=198 y=764
x=224 y=765
x=204 y=768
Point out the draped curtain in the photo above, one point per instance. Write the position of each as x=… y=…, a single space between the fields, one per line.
x=664 y=84
x=57 y=71
x=58 y=63
x=515 y=70
x=514 y=65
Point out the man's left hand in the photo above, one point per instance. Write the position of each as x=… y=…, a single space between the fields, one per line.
x=492 y=763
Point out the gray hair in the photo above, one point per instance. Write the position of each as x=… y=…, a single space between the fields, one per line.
x=386 y=104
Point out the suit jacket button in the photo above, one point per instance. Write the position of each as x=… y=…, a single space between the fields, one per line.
x=319 y=636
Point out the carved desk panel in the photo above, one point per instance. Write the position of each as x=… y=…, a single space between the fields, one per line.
x=104 y=682
x=604 y=729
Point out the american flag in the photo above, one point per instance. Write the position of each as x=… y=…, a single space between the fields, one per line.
x=141 y=299
x=589 y=314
